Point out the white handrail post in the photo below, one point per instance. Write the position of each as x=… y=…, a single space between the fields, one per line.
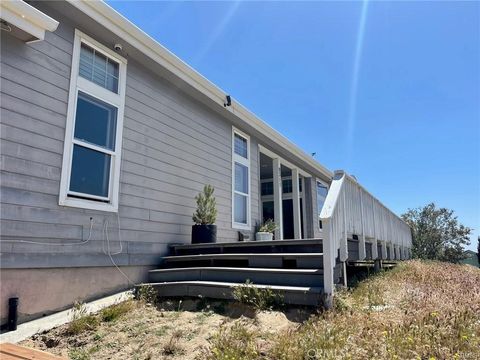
x=329 y=260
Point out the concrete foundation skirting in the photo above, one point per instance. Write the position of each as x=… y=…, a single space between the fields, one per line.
x=31 y=328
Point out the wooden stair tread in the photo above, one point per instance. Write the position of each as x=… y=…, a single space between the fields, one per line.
x=241 y=269
x=314 y=289
x=249 y=243
x=238 y=255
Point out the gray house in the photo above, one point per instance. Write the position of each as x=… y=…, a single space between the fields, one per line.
x=106 y=138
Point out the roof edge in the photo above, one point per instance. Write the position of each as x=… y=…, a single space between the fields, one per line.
x=27 y=18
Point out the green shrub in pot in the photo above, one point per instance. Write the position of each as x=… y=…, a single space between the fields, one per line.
x=266 y=230
x=205 y=230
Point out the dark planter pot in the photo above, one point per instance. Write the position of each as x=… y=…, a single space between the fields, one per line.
x=204 y=234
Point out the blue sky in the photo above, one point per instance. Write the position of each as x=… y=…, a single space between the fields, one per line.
x=389 y=91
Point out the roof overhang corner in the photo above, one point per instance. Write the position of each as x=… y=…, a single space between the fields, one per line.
x=25 y=21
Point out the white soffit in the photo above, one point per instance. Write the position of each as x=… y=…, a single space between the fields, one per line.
x=29 y=20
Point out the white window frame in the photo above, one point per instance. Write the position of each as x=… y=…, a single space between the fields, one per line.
x=318 y=181
x=285 y=196
x=78 y=83
x=245 y=162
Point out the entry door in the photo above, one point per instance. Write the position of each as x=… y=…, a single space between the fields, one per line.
x=287 y=211
x=268 y=210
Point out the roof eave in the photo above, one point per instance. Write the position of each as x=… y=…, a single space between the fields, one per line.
x=27 y=18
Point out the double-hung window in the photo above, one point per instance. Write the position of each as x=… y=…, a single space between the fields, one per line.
x=92 y=150
x=241 y=180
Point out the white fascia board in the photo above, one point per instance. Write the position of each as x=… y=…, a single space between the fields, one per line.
x=27 y=18
x=122 y=27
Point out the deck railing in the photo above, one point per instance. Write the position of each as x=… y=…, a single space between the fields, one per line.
x=349 y=209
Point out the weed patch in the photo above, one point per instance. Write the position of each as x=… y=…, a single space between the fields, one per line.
x=79 y=354
x=172 y=347
x=259 y=298
x=113 y=312
x=237 y=342
x=81 y=320
x=146 y=293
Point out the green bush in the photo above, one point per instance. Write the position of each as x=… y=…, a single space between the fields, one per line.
x=259 y=298
x=146 y=293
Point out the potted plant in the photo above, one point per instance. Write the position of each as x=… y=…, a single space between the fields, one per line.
x=205 y=230
x=266 y=230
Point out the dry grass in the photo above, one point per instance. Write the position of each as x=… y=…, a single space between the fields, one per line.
x=420 y=310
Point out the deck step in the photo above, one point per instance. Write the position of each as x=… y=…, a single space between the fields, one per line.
x=267 y=276
x=264 y=260
x=297 y=295
x=270 y=246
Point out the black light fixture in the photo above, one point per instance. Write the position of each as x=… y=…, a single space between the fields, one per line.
x=228 y=101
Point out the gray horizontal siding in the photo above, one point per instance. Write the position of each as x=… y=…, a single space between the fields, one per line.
x=27 y=55
x=172 y=145
x=24 y=107
x=28 y=152
x=53 y=260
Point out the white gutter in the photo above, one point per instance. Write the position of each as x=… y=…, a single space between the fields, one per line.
x=122 y=27
x=27 y=18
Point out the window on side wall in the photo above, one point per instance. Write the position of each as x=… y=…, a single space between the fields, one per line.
x=322 y=191
x=241 y=180
x=92 y=149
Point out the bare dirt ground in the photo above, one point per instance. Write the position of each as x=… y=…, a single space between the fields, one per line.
x=171 y=330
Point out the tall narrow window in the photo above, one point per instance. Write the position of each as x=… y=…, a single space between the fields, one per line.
x=322 y=191
x=92 y=150
x=241 y=180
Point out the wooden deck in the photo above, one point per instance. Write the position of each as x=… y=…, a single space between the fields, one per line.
x=14 y=352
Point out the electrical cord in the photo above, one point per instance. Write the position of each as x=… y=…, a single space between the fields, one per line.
x=108 y=250
x=109 y=253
